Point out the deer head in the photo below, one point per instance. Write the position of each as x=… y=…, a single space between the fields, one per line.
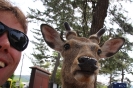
x=81 y=55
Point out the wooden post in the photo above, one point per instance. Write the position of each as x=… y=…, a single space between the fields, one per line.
x=39 y=78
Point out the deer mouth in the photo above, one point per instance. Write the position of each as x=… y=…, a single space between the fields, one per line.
x=83 y=72
x=86 y=66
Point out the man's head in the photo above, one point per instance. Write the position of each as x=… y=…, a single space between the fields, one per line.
x=13 y=26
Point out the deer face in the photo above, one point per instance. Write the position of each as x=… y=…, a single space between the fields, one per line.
x=81 y=55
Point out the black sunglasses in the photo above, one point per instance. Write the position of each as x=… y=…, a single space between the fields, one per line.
x=17 y=39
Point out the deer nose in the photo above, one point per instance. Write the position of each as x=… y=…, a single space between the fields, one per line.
x=87 y=64
x=87 y=59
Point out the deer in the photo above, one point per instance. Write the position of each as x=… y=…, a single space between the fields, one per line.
x=81 y=55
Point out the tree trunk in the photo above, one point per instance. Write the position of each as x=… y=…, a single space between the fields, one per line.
x=52 y=80
x=122 y=74
x=110 y=79
x=99 y=14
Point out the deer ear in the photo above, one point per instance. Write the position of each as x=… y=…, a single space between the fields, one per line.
x=51 y=37
x=111 y=47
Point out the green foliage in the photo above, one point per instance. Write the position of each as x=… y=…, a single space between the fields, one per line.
x=41 y=53
x=12 y=76
x=100 y=85
x=58 y=76
x=121 y=63
x=74 y=12
x=14 y=84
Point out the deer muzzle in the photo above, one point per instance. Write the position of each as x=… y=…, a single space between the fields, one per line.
x=87 y=64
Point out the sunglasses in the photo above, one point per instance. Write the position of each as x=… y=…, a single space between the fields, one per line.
x=17 y=39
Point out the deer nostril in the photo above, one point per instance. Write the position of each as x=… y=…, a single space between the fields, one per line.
x=92 y=61
x=82 y=60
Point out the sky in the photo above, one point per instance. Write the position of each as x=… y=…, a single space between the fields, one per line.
x=25 y=61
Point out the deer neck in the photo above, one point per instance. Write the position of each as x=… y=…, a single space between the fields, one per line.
x=75 y=85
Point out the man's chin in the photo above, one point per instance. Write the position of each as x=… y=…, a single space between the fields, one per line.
x=5 y=73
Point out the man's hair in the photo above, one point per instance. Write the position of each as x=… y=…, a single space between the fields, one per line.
x=5 y=5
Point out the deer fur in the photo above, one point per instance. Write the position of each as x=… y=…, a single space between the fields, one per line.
x=80 y=54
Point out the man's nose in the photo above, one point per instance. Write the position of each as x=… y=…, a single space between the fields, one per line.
x=4 y=42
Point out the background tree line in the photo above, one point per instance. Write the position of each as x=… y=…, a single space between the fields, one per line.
x=86 y=17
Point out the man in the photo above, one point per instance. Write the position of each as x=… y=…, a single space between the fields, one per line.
x=13 y=27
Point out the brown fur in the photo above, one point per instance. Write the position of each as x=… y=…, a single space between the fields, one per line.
x=72 y=74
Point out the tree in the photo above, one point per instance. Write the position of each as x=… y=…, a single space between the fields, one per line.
x=120 y=63
x=86 y=17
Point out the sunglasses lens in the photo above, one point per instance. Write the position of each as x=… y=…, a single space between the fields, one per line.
x=18 y=40
x=2 y=28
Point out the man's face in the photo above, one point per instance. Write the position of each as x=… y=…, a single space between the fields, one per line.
x=9 y=56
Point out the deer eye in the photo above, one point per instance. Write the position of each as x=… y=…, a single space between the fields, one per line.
x=99 y=51
x=66 y=46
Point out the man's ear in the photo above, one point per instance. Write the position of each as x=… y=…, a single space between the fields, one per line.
x=51 y=37
x=111 y=47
